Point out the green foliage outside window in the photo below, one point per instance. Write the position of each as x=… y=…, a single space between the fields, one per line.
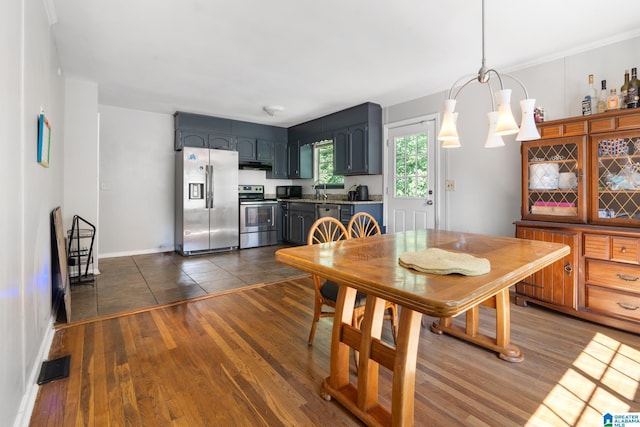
x=324 y=164
x=411 y=174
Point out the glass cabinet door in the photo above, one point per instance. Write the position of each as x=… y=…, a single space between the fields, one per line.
x=553 y=188
x=615 y=171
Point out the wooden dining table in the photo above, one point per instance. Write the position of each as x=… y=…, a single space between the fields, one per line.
x=371 y=265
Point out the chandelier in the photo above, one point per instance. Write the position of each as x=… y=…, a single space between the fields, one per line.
x=501 y=122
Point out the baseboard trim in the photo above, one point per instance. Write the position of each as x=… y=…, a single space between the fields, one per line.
x=132 y=253
x=23 y=417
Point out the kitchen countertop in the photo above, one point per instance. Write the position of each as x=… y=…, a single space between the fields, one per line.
x=333 y=201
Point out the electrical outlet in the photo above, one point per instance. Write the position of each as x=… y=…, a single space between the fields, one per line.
x=450 y=185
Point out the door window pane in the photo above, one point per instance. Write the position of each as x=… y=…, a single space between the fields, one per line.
x=411 y=174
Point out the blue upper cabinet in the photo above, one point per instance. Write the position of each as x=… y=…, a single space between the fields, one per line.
x=192 y=138
x=247 y=149
x=196 y=130
x=351 y=151
x=256 y=150
x=357 y=139
x=222 y=142
x=256 y=144
x=356 y=133
x=279 y=166
x=300 y=160
x=264 y=150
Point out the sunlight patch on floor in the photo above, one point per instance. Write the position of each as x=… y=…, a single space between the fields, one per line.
x=602 y=379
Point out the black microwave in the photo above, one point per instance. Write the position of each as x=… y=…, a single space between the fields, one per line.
x=289 y=192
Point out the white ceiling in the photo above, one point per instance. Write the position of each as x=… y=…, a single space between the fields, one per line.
x=230 y=58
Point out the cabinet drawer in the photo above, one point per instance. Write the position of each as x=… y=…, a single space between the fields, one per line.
x=550 y=131
x=613 y=275
x=613 y=302
x=630 y=121
x=596 y=246
x=602 y=125
x=625 y=249
x=607 y=124
x=563 y=129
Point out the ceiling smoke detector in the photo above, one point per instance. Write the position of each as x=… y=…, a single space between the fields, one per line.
x=272 y=110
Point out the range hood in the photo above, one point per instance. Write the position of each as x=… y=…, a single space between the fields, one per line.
x=248 y=165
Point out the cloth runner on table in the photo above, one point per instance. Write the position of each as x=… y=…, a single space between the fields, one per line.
x=438 y=261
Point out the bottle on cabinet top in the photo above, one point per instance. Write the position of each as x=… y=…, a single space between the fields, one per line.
x=613 y=102
x=633 y=91
x=624 y=88
x=590 y=101
x=602 y=97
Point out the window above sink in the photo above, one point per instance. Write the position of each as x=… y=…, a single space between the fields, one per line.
x=323 y=176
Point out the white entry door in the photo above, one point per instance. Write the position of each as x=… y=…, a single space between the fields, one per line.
x=410 y=178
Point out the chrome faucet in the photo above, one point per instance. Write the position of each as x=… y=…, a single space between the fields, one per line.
x=316 y=186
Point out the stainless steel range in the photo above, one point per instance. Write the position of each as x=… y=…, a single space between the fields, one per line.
x=258 y=223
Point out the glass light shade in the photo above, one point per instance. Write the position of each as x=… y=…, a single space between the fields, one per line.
x=448 y=129
x=451 y=143
x=528 y=129
x=493 y=140
x=506 y=124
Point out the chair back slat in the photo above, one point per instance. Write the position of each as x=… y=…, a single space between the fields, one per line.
x=362 y=224
x=326 y=229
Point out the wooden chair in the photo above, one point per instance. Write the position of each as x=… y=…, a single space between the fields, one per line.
x=363 y=224
x=326 y=293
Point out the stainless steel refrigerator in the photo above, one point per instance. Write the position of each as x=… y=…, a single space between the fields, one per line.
x=206 y=200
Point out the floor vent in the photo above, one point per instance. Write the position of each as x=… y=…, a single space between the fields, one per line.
x=55 y=369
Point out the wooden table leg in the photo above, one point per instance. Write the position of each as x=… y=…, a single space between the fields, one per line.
x=362 y=401
x=339 y=362
x=368 y=369
x=508 y=352
x=501 y=343
x=404 y=370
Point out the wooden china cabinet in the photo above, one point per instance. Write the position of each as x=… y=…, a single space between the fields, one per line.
x=581 y=187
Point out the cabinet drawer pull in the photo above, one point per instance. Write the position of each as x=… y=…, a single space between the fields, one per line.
x=568 y=268
x=623 y=250
x=628 y=306
x=627 y=277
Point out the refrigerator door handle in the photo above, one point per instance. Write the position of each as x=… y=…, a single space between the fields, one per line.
x=211 y=184
x=207 y=187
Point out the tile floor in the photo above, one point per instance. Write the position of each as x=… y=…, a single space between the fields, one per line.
x=133 y=282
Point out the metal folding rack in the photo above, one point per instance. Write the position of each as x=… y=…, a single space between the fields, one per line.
x=80 y=250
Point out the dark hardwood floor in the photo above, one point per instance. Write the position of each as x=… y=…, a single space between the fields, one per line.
x=241 y=359
x=132 y=282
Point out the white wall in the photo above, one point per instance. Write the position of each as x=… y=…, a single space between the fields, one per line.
x=257 y=177
x=136 y=182
x=81 y=154
x=29 y=192
x=487 y=198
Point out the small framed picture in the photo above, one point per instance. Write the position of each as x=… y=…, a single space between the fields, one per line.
x=44 y=140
